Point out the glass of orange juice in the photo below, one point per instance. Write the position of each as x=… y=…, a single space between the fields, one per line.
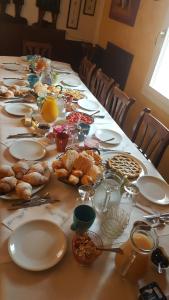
x=49 y=110
x=134 y=262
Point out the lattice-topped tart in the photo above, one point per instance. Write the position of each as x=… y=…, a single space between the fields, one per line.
x=125 y=165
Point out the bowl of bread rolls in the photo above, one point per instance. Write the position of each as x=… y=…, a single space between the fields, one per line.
x=79 y=168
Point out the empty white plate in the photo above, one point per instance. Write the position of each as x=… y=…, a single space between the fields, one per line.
x=154 y=189
x=18 y=109
x=88 y=104
x=107 y=134
x=11 y=67
x=37 y=245
x=71 y=81
x=27 y=149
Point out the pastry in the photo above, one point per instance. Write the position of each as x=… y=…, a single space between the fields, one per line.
x=61 y=173
x=35 y=178
x=73 y=179
x=6 y=171
x=7 y=184
x=96 y=157
x=20 y=168
x=57 y=164
x=77 y=173
x=125 y=165
x=39 y=167
x=24 y=190
x=86 y=180
x=94 y=172
x=83 y=162
x=8 y=94
x=69 y=158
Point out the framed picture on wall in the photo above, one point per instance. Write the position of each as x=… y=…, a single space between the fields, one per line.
x=89 y=7
x=73 y=14
x=124 y=11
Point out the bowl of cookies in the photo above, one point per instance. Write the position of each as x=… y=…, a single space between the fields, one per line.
x=79 y=168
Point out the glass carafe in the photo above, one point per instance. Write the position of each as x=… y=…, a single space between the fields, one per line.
x=134 y=262
x=49 y=110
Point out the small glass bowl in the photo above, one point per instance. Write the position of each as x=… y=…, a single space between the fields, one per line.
x=84 y=247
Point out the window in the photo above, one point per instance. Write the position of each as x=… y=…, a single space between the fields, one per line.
x=160 y=77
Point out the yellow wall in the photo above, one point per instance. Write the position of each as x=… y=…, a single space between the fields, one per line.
x=140 y=41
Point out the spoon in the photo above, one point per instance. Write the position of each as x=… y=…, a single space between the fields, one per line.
x=116 y=250
x=108 y=140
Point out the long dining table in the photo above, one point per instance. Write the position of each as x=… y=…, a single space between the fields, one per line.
x=68 y=280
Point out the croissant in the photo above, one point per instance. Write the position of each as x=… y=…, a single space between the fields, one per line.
x=35 y=178
x=24 y=190
x=39 y=167
x=7 y=184
x=6 y=171
x=20 y=168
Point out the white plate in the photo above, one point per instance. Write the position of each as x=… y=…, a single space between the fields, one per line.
x=27 y=149
x=71 y=81
x=105 y=134
x=154 y=189
x=11 y=67
x=18 y=109
x=37 y=245
x=88 y=104
x=19 y=82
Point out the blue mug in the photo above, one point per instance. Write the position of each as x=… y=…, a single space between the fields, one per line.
x=32 y=79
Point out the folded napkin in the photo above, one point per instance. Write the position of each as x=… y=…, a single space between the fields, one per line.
x=49 y=211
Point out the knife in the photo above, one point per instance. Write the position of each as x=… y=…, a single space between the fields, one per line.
x=37 y=202
x=158 y=215
x=23 y=135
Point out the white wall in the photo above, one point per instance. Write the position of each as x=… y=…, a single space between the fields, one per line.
x=88 y=25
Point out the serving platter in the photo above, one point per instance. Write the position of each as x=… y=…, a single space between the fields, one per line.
x=47 y=247
x=76 y=117
x=13 y=196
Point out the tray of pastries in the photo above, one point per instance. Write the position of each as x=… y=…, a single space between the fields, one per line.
x=23 y=179
x=76 y=168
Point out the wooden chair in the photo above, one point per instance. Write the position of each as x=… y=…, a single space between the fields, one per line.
x=100 y=86
x=86 y=71
x=118 y=105
x=31 y=47
x=150 y=136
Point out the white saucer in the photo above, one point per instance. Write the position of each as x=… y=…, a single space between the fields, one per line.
x=154 y=189
x=37 y=245
x=88 y=104
x=105 y=134
x=18 y=109
x=27 y=149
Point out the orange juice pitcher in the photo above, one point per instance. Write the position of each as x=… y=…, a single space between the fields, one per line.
x=49 y=109
x=134 y=262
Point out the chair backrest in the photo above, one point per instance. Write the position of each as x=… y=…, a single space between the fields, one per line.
x=100 y=85
x=150 y=136
x=118 y=105
x=86 y=71
x=31 y=47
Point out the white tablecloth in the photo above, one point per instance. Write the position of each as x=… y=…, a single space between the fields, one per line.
x=68 y=280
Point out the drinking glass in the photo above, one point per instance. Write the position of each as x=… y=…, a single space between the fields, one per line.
x=134 y=262
x=86 y=193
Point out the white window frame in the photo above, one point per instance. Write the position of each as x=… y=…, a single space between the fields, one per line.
x=150 y=93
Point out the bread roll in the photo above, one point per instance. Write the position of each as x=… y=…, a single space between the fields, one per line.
x=94 y=172
x=8 y=94
x=57 y=164
x=86 y=180
x=77 y=173
x=6 y=171
x=69 y=158
x=61 y=173
x=84 y=162
x=73 y=179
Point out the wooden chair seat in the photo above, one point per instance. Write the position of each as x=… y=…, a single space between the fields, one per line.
x=86 y=71
x=31 y=47
x=150 y=136
x=101 y=85
x=118 y=105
